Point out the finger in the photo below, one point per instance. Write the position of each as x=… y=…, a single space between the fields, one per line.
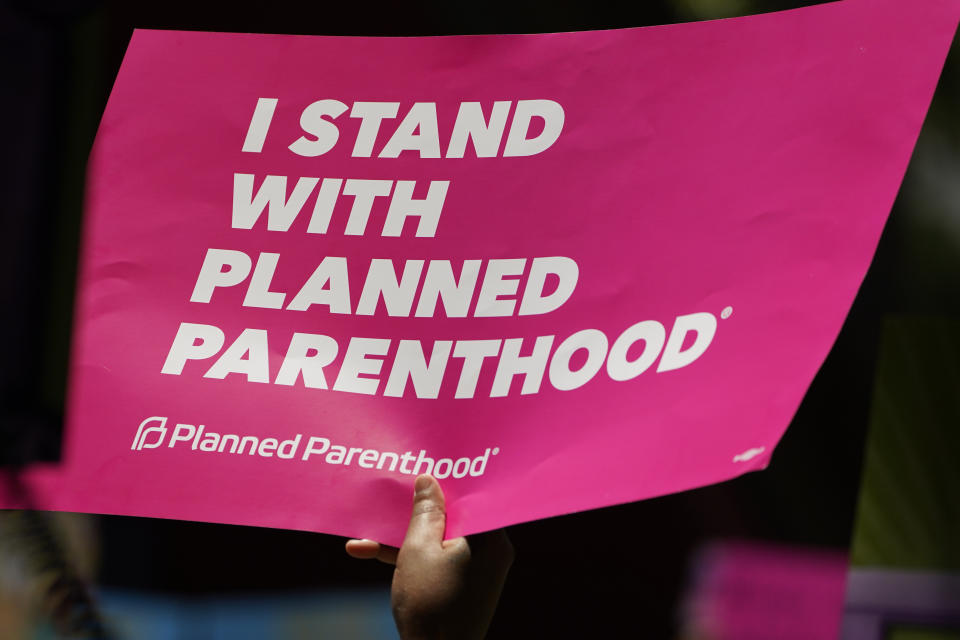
x=457 y=545
x=362 y=549
x=368 y=549
x=428 y=519
x=387 y=554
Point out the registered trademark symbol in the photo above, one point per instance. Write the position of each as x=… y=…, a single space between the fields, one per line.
x=726 y=313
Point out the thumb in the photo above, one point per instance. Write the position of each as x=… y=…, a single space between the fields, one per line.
x=428 y=520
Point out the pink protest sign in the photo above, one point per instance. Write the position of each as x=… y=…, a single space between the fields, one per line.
x=557 y=271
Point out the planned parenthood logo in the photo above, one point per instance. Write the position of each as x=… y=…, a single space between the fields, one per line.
x=150 y=437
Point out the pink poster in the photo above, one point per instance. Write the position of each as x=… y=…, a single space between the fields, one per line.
x=556 y=271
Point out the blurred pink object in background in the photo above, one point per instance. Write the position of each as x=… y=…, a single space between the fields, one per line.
x=747 y=591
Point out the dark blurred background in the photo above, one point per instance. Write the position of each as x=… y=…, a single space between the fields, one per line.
x=619 y=572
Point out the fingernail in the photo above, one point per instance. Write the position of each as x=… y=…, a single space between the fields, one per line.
x=422 y=483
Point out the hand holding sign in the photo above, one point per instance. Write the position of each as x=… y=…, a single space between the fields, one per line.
x=441 y=588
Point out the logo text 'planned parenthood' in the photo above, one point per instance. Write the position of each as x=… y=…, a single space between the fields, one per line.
x=152 y=434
